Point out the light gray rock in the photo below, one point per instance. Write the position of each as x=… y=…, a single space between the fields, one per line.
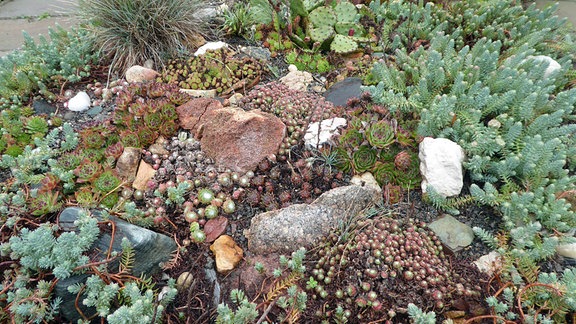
x=150 y=248
x=553 y=66
x=303 y=225
x=257 y=52
x=489 y=263
x=441 y=166
x=567 y=250
x=200 y=93
x=451 y=232
x=366 y=179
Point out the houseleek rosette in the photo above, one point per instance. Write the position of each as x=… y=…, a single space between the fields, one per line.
x=364 y=158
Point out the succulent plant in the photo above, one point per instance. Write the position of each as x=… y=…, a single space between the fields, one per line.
x=337 y=26
x=377 y=259
x=146 y=111
x=221 y=70
x=373 y=141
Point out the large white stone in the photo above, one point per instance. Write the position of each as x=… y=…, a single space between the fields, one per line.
x=553 y=66
x=80 y=102
x=320 y=133
x=441 y=166
x=210 y=46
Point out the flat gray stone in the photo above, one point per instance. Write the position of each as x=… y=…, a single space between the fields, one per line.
x=340 y=92
x=452 y=232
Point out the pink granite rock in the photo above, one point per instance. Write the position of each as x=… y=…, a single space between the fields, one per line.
x=191 y=112
x=238 y=139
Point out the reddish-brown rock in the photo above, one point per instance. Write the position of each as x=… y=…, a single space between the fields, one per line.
x=238 y=140
x=191 y=112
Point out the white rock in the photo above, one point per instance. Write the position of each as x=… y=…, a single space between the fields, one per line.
x=489 y=263
x=567 y=250
x=455 y=234
x=211 y=93
x=441 y=165
x=327 y=129
x=292 y=68
x=553 y=66
x=210 y=46
x=366 y=180
x=297 y=80
x=80 y=102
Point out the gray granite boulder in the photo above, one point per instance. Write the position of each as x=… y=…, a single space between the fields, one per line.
x=302 y=225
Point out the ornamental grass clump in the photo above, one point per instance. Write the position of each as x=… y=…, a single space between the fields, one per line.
x=131 y=32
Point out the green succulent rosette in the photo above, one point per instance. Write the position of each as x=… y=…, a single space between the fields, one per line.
x=380 y=134
x=364 y=158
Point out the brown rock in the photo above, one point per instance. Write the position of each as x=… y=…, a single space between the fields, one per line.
x=158 y=149
x=145 y=173
x=238 y=140
x=191 y=112
x=228 y=254
x=139 y=73
x=127 y=163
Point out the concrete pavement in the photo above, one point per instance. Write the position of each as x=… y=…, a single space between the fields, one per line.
x=34 y=17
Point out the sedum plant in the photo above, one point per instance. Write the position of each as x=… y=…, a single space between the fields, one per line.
x=515 y=137
x=41 y=251
x=65 y=56
x=511 y=116
x=128 y=32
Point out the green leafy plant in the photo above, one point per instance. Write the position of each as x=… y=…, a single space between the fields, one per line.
x=311 y=62
x=237 y=19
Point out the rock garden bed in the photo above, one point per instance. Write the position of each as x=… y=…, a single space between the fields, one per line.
x=317 y=162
